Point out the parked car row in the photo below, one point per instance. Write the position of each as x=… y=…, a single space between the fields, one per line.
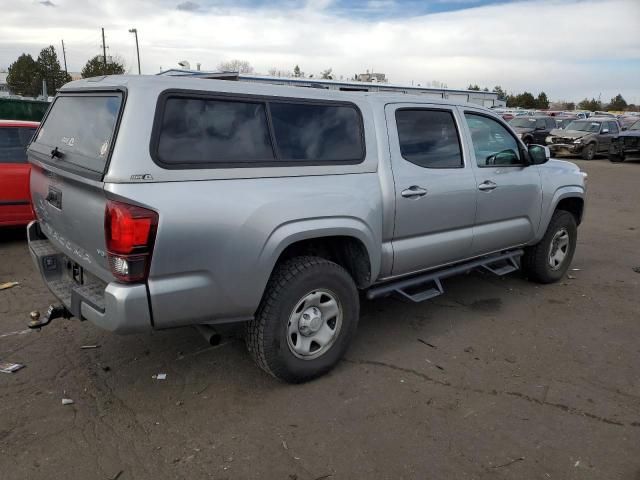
x=580 y=137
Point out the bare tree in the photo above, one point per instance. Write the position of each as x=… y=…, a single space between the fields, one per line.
x=235 y=65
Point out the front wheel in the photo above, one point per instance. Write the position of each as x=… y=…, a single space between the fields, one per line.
x=306 y=320
x=616 y=158
x=589 y=152
x=548 y=261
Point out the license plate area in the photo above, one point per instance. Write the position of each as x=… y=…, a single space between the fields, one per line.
x=75 y=272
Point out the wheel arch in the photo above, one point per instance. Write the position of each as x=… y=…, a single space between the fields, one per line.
x=346 y=241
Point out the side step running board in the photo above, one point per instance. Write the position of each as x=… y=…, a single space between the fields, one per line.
x=429 y=285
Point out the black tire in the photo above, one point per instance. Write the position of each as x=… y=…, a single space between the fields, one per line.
x=616 y=158
x=589 y=152
x=536 y=259
x=292 y=281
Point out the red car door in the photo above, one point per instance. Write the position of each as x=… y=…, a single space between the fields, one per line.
x=15 y=200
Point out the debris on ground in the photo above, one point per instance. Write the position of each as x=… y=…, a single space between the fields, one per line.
x=88 y=347
x=17 y=332
x=117 y=475
x=636 y=269
x=519 y=459
x=160 y=376
x=67 y=401
x=8 y=367
x=576 y=269
x=426 y=343
x=5 y=285
x=571 y=277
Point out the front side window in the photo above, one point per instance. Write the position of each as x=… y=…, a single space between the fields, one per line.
x=200 y=131
x=429 y=138
x=13 y=144
x=317 y=133
x=613 y=127
x=492 y=143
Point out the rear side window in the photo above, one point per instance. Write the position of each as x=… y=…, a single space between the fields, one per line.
x=317 y=133
x=206 y=132
x=13 y=144
x=429 y=138
x=202 y=131
x=81 y=127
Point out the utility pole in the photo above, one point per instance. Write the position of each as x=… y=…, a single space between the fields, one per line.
x=135 y=32
x=64 y=55
x=104 y=52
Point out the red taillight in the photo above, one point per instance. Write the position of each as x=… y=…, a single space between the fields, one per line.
x=130 y=232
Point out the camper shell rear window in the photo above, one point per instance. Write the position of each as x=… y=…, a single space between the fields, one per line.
x=81 y=128
x=213 y=130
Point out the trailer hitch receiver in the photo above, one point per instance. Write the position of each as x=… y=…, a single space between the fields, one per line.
x=53 y=312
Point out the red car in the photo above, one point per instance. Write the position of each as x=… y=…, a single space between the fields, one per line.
x=15 y=200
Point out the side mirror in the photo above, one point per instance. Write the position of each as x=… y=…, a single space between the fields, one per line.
x=624 y=128
x=539 y=154
x=505 y=157
x=605 y=130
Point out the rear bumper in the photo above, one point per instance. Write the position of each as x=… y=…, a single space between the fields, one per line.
x=113 y=306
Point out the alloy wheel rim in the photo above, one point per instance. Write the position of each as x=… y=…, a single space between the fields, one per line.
x=314 y=324
x=559 y=249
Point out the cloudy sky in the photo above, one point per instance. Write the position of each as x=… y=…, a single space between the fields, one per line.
x=568 y=48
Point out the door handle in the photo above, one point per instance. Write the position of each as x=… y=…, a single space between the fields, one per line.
x=487 y=186
x=414 y=191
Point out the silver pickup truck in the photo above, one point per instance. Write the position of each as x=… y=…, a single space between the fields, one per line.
x=168 y=201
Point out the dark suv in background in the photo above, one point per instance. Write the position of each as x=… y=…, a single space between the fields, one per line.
x=627 y=145
x=584 y=137
x=533 y=130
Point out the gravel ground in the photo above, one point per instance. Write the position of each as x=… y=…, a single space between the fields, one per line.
x=498 y=378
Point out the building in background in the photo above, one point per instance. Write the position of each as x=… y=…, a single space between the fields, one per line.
x=4 y=88
x=372 y=77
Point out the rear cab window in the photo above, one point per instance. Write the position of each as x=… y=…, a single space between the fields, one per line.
x=194 y=130
x=13 y=143
x=429 y=138
x=82 y=128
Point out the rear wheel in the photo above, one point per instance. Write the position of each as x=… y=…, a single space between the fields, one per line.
x=616 y=158
x=548 y=261
x=589 y=152
x=306 y=320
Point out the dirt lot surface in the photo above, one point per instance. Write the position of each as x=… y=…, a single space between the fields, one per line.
x=498 y=378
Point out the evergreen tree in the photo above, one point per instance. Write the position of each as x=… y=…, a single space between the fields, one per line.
x=24 y=78
x=50 y=70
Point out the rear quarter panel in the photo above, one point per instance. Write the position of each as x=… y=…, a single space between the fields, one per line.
x=218 y=240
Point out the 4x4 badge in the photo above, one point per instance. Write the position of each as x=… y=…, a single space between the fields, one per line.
x=142 y=176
